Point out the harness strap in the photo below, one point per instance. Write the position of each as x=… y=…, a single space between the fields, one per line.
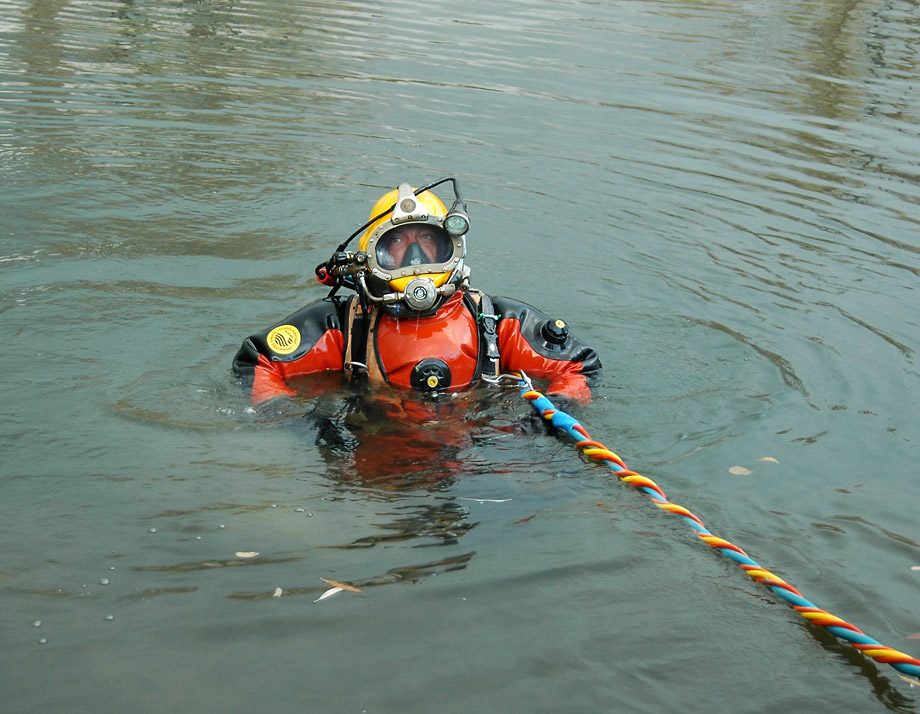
x=487 y=320
x=488 y=323
x=374 y=366
x=361 y=351
x=356 y=329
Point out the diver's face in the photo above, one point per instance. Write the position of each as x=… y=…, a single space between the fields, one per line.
x=400 y=239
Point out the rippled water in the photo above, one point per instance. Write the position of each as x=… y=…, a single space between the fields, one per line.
x=722 y=198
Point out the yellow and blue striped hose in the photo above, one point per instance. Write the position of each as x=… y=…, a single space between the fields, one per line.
x=908 y=666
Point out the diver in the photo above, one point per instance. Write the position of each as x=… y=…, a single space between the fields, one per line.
x=413 y=321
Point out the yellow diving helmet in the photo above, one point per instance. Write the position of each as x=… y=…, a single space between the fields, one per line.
x=415 y=249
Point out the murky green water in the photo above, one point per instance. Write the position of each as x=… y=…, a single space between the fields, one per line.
x=721 y=197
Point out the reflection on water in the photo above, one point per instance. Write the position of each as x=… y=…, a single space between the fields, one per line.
x=720 y=198
x=392 y=445
x=409 y=574
x=211 y=564
x=444 y=523
x=396 y=441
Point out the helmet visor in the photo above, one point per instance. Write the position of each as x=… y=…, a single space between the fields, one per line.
x=414 y=244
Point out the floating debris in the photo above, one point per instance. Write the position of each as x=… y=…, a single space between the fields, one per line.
x=246 y=553
x=344 y=586
x=278 y=592
x=768 y=458
x=485 y=500
x=337 y=587
x=740 y=471
x=37 y=623
x=329 y=593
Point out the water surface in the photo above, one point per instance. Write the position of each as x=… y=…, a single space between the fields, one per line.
x=720 y=198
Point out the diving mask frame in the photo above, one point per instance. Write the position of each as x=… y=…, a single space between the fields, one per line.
x=421 y=288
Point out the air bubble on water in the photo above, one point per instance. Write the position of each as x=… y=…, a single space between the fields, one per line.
x=42 y=640
x=104 y=581
x=274 y=505
x=109 y=617
x=37 y=623
x=298 y=510
x=221 y=526
x=151 y=530
x=111 y=567
x=197 y=537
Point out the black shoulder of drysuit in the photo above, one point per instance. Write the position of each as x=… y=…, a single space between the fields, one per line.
x=531 y=325
x=312 y=321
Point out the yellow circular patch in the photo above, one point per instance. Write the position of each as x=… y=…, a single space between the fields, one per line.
x=284 y=339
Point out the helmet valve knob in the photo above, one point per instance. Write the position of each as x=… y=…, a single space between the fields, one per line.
x=421 y=293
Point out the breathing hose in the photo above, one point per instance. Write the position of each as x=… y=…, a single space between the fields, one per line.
x=907 y=666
